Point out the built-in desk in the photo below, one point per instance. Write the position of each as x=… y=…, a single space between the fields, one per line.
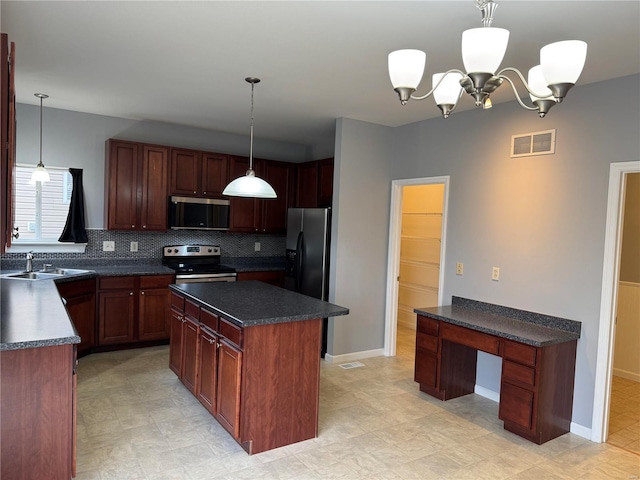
x=538 y=361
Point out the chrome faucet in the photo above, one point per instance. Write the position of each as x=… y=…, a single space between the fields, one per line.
x=29 y=262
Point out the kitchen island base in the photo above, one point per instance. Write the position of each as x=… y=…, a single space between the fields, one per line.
x=260 y=378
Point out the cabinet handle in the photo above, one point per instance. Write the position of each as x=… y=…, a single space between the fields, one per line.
x=141 y=293
x=211 y=341
x=204 y=193
x=144 y=226
x=133 y=226
x=131 y=294
x=194 y=191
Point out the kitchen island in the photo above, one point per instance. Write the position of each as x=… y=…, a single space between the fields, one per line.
x=250 y=353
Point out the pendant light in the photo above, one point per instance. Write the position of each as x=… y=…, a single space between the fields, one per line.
x=250 y=185
x=40 y=174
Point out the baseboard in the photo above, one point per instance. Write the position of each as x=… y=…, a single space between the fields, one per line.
x=486 y=393
x=626 y=374
x=349 y=357
x=580 y=430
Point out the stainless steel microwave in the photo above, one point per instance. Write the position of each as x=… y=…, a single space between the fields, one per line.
x=186 y=213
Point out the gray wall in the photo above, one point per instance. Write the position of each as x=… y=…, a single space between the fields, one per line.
x=74 y=139
x=540 y=219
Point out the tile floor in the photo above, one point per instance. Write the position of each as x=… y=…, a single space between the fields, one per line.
x=137 y=421
x=624 y=414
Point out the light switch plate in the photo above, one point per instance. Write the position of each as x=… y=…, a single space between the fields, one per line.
x=108 y=246
x=257 y=246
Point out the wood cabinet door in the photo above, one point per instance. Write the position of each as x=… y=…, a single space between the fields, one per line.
x=153 y=314
x=8 y=140
x=274 y=211
x=208 y=366
x=154 y=188
x=185 y=172
x=116 y=317
x=190 y=344
x=426 y=368
x=243 y=211
x=215 y=174
x=325 y=182
x=517 y=405
x=82 y=310
x=122 y=189
x=228 y=394
x=307 y=185
x=175 y=342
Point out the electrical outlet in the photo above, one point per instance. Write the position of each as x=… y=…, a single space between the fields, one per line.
x=134 y=247
x=495 y=274
x=108 y=246
x=257 y=246
x=459 y=268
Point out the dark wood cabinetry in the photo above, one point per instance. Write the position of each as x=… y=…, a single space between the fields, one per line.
x=314 y=185
x=7 y=138
x=38 y=410
x=253 y=215
x=195 y=173
x=272 y=277
x=536 y=392
x=80 y=300
x=136 y=187
x=228 y=392
x=133 y=309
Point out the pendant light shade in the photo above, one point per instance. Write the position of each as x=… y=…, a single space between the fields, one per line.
x=483 y=49
x=40 y=174
x=562 y=62
x=406 y=68
x=250 y=185
x=538 y=84
x=449 y=90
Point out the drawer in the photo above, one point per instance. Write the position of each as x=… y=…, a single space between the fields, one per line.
x=232 y=332
x=516 y=405
x=116 y=283
x=427 y=342
x=516 y=372
x=209 y=319
x=192 y=309
x=428 y=325
x=519 y=352
x=426 y=369
x=76 y=288
x=470 y=338
x=155 y=281
x=177 y=301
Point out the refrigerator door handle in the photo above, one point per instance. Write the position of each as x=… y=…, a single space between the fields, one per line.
x=299 y=261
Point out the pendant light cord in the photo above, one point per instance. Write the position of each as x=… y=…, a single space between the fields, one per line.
x=40 y=164
x=251 y=131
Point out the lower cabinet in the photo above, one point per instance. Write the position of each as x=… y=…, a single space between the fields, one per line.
x=80 y=301
x=38 y=411
x=133 y=309
x=228 y=391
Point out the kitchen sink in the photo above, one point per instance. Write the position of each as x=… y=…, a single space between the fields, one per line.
x=44 y=275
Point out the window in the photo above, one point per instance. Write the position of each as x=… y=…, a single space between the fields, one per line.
x=41 y=209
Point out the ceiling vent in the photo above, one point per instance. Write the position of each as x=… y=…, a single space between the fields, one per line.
x=535 y=143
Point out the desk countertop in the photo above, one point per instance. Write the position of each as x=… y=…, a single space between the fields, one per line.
x=526 y=327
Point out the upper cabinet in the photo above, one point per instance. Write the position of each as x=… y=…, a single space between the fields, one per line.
x=7 y=139
x=253 y=215
x=136 y=187
x=314 y=186
x=195 y=173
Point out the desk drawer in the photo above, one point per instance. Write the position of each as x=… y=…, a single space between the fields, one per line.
x=470 y=338
x=209 y=319
x=428 y=325
x=427 y=342
x=230 y=331
x=177 y=301
x=519 y=352
x=520 y=373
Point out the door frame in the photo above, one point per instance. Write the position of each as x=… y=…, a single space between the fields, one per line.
x=609 y=297
x=393 y=258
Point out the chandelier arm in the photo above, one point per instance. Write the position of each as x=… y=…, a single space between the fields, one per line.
x=426 y=95
x=515 y=92
x=524 y=82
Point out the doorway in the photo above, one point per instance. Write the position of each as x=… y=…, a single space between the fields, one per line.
x=609 y=299
x=417 y=230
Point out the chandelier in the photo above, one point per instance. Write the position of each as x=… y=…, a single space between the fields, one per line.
x=482 y=52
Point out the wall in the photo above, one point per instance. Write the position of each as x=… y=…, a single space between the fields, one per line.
x=540 y=219
x=630 y=254
x=74 y=139
x=360 y=231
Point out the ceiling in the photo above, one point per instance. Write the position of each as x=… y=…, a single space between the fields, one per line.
x=185 y=62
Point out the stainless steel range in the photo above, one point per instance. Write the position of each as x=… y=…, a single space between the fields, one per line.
x=197 y=263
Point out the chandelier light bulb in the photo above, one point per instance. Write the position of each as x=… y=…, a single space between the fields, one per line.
x=483 y=49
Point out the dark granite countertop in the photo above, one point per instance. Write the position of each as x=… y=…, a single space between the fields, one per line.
x=33 y=315
x=256 y=303
x=520 y=325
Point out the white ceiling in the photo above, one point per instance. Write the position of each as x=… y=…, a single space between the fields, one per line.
x=185 y=62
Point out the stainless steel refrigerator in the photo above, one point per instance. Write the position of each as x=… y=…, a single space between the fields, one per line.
x=308 y=255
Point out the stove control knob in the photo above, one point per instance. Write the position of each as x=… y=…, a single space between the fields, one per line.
x=175 y=250
x=210 y=250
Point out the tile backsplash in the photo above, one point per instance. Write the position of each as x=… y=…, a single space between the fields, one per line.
x=150 y=245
